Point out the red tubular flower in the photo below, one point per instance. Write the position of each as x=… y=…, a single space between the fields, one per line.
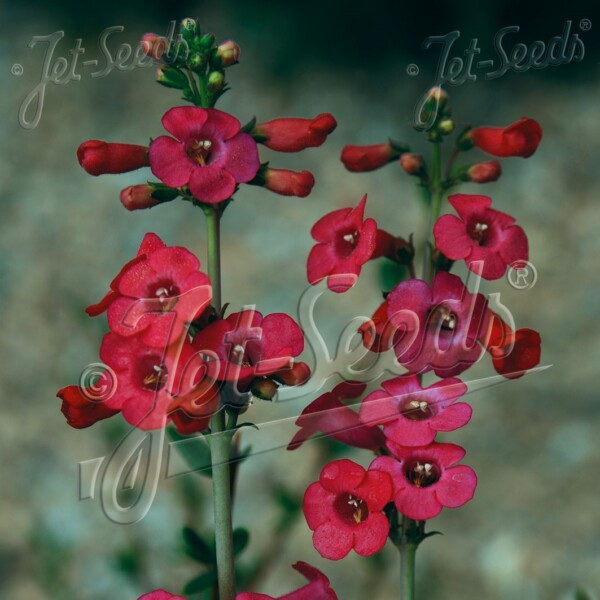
x=378 y=333
x=317 y=588
x=289 y=183
x=329 y=415
x=437 y=328
x=101 y=158
x=360 y=159
x=156 y=293
x=482 y=236
x=160 y=595
x=484 y=172
x=346 y=242
x=412 y=415
x=137 y=197
x=247 y=345
x=344 y=510
x=513 y=352
x=519 y=139
x=83 y=407
x=210 y=153
x=293 y=135
x=427 y=479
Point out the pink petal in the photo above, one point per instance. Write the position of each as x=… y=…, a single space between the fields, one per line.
x=226 y=124
x=211 y=184
x=356 y=215
x=375 y=490
x=451 y=237
x=366 y=242
x=324 y=229
x=371 y=535
x=174 y=262
x=317 y=505
x=321 y=262
x=333 y=541
x=151 y=243
x=406 y=432
x=486 y=262
x=457 y=486
x=341 y=476
x=402 y=386
x=242 y=160
x=280 y=331
x=452 y=418
x=444 y=392
x=417 y=503
x=184 y=121
x=447 y=287
x=378 y=408
x=169 y=162
x=514 y=246
x=467 y=204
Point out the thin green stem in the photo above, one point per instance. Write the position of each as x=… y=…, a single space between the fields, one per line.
x=437 y=193
x=213 y=231
x=407 y=571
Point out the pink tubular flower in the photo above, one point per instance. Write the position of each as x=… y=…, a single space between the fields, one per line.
x=160 y=595
x=101 y=158
x=289 y=183
x=156 y=293
x=345 y=243
x=360 y=159
x=425 y=479
x=437 y=328
x=317 y=588
x=487 y=239
x=519 y=139
x=247 y=346
x=82 y=407
x=513 y=352
x=210 y=153
x=330 y=416
x=344 y=510
x=412 y=415
x=293 y=135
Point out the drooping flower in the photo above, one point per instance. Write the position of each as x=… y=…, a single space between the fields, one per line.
x=412 y=415
x=82 y=407
x=513 y=352
x=156 y=294
x=519 y=139
x=246 y=346
x=101 y=158
x=344 y=510
x=293 y=135
x=328 y=415
x=288 y=183
x=345 y=243
x=437 y=327
x=317 y=587
x=360 y=159
x=160 y=595
x=208 y=153
x=427 y=479
x=487 y=239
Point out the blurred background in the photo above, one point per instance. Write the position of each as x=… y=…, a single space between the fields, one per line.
x=531 y=531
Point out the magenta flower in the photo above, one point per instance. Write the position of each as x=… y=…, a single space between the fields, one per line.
x=426 y=479
x=247 y=345
x=329 y=415
x=344 y=510
x=209 y=153
x=317 y=587
x=160 y=595
x=412 y=415
x=481 y=234
x=346 y=242
x=156 y=294
x=437 y=327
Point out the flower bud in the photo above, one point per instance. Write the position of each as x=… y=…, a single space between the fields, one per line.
x=228 y=53
x=100 y=158
x=297 y=375
x=154 y=45
x=196 y=62
x=413 y=164
x=446 y=126
x=293 y=135
x=188 y=26
x=360 y=159
x=136 y=197
x=288 y=183
x=171 y=77
x=484 y=172
x=216 y=81
x=265 y=389
x=207 y=41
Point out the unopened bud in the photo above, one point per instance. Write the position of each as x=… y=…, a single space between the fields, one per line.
x=228 y=53
x=465 y=140
x=171 y=77
x=265 y=389
x=297 y=375
x=216 y=80
x=137 y=197
x=446 y=126
x=484 y=172
x=413 y=164
x=207 y=41
x=154 y=45
x=196 y=62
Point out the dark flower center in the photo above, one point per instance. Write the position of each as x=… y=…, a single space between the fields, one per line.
x=351 y=509
x=444 y=318
x=240 y=356
x=422 y=473
x=416 y=410
x=166 y=292
x=479 y=232
x=199 y=151
x=346 y=242
x=152 y=373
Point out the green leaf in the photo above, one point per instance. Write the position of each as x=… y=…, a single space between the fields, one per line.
x=241 y=536
x=581 y=594
x=196 y=548
x=200 y=583
x=194 y=450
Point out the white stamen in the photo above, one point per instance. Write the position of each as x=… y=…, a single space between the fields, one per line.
x=206 y=144
x=423 y=406
x=481 y=227
x=427 y=468
x=162 y=292
x=414 y=404
x=350 y=238
x=238 y=349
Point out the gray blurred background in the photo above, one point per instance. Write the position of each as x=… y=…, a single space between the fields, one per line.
x=531 y=532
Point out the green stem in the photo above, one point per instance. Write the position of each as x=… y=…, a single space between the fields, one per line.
x=213 y=230
x=408 y=553
x=437 y=193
